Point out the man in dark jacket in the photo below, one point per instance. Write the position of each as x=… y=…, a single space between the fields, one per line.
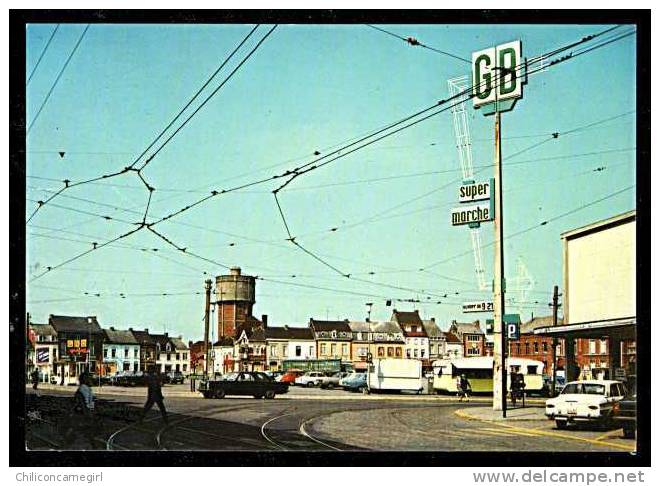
x=35 y=379
x=154 y=394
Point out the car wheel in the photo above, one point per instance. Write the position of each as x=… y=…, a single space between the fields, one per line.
x=257 y=396
x=330 y=386
x=219 y=393
x=206 y=394
x=364 y=390
x=561 y=424
x=310 y=384
x=270 y=394
x=629 y=432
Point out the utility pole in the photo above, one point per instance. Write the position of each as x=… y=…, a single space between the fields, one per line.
x=555 y=308
x=206 y=326
x=499 y=351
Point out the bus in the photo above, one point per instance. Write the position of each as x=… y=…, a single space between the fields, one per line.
x=479 y=372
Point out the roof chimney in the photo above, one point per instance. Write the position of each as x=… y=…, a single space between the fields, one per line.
x=286 y=326
x=112 y=328
x=432 y=319
x=235 y=271
x=166 y=335
x=89 y=320
x=264 y=319
x=147 y=331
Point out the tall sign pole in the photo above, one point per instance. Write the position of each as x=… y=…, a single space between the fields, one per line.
x=499 y=372
x=498 y=74
x=206 y=326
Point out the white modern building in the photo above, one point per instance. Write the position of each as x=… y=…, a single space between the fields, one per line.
x=121 y=352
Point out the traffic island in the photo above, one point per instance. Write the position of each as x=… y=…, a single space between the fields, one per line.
x=487 y=414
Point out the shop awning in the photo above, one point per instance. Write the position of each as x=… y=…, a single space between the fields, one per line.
x=624 y=328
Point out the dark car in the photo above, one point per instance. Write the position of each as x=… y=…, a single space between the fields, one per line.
x=626 y=410
x=254 y=383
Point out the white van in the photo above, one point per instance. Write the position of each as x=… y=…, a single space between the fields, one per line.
x=395 y=374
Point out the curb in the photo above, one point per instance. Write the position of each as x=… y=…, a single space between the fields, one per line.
x=461 y=413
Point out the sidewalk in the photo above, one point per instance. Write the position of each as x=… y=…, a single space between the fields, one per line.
x=487 y=414
x=119 y=390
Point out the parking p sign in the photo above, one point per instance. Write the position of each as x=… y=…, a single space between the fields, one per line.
x=513 y=331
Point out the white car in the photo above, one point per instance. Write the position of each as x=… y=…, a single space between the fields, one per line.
x=588 y=400
x=311 y=378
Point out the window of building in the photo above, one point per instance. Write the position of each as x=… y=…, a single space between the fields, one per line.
x=322 y=349
x=545 y=347
x=390 y=351
x=169 y=356
x=603 y=346
x=176 y=367
x=592 y=346
x=407 y=353
x=185 y=356
x=344 y=349
x=284 y=347
x=333 y=349
x=381 y=351
x=298 y=351
x=536 y=347
x=273 y=350
x=526 y=348
x=421 y=353
x=398 y=352
x=113 y=352
x=518 y=348
x=178 y=356
x=105 y=352
x=127 y=366
x=185 y=367
x=311 y=351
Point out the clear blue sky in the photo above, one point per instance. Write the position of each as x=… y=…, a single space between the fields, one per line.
x=307 y=88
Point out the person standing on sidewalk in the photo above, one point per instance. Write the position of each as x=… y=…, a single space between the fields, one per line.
x=154 y=394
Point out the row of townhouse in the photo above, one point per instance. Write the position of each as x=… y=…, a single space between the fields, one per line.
x=260 y=347
x=67 y=346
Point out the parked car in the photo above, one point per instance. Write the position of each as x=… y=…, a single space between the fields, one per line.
x=332 y=380
x=355 y=382
x=310 y=379
x=289 y=377
x=626 y=410
x=274 y=374
x=253 y=383
x=588 y=400
x=175 y=377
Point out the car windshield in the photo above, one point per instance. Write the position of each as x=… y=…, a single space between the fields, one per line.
x=231 y=377
x=584 y=388
x=262 y=377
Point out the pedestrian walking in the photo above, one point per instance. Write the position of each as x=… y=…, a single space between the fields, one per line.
x=35 y=379
x=464 y=388
x=82 y=419
x=154 y=394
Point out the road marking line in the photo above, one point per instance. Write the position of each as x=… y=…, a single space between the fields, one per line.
x=608 y=434
x=512 y=432
x=546 y=433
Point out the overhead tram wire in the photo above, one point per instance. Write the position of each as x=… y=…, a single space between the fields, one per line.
x=414 y=42
x=467 y=91
x=303 y=166
x=194 y=97
x=57 y=79
x=43 y=52
x=131 y=167
x=208 y=98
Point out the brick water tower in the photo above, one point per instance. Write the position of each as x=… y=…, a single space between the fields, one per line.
x=235 y=298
